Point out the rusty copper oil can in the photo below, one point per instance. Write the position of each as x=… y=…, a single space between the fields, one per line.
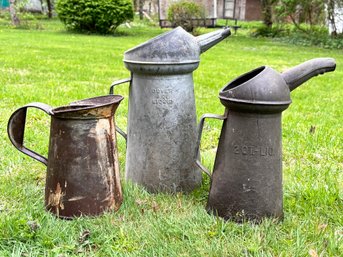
x=82 y=165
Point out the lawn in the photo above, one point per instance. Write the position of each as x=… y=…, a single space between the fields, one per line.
x=55 y=67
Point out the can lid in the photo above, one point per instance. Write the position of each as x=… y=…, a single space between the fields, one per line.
x=175 y=46
x=261 y=86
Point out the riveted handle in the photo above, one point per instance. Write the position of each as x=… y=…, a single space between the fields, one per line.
x=116 y=83
x=16 y=129
x=200 y=129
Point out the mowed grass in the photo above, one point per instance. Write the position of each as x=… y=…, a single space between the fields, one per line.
x=56 y=67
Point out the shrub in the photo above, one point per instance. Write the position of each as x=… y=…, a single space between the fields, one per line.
x=96 y=16
x=265 y=31
x=307 y=36
x=315 y=39
x=186 y=14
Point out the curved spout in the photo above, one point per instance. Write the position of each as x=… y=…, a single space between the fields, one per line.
x=208 y=40
x=299 y=74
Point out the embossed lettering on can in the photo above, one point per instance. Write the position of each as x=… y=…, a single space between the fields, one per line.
x=252 y=150
x=162 y=96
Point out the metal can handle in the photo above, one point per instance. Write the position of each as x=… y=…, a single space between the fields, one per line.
x=16 y=129
x=200 y=129
x=115 y=83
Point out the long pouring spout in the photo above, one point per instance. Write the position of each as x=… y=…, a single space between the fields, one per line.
x=208 y=40
x=299 y=74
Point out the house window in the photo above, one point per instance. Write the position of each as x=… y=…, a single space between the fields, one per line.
x=229 y=9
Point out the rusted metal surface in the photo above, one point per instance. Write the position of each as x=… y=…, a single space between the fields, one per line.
x=161 y=134
x=82 y=165
x=246 y=182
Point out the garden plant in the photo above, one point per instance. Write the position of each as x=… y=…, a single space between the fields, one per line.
x=186 y=14
x=101 y=16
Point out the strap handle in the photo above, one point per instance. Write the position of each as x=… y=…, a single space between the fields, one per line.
x=200 y=129
x=16 y=129
x=115 y=83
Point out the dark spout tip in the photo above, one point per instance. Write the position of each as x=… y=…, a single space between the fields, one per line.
x=332 y=67
x=299 y=74
x=226 y=32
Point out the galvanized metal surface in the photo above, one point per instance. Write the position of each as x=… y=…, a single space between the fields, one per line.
x=175 y=46
x=162 y=134
x=82 y=165
x=247 y=176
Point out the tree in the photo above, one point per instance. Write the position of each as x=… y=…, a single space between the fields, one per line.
x=49 y=4
x=140 y=8
x=331 y=6
x=312 y=12
x=13 y=12
x=301 y=11
x=267 y=10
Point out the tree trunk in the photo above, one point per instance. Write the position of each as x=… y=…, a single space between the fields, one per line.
x=140 y=6
x=267 y=12
x=13 y=12
x=49 y=8
x=331 y=16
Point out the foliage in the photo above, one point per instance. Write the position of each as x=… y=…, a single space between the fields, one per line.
x=312 y=12
x=314 y=39
x=309 y=11
x=309 y=35
x=302 y=22
x=265 y=31
x=5 y=15
x=186 y=14
x=267 y=11
x=13 y=11
x=96 y=16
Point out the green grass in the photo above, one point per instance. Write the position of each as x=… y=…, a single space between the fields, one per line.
x=55 y=67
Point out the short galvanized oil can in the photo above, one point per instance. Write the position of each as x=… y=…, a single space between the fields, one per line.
x=246 y=182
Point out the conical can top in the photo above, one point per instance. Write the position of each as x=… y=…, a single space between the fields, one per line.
x=175 y=46
x=261 y=89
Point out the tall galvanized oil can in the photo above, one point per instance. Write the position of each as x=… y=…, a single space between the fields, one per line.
x=162 y=130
